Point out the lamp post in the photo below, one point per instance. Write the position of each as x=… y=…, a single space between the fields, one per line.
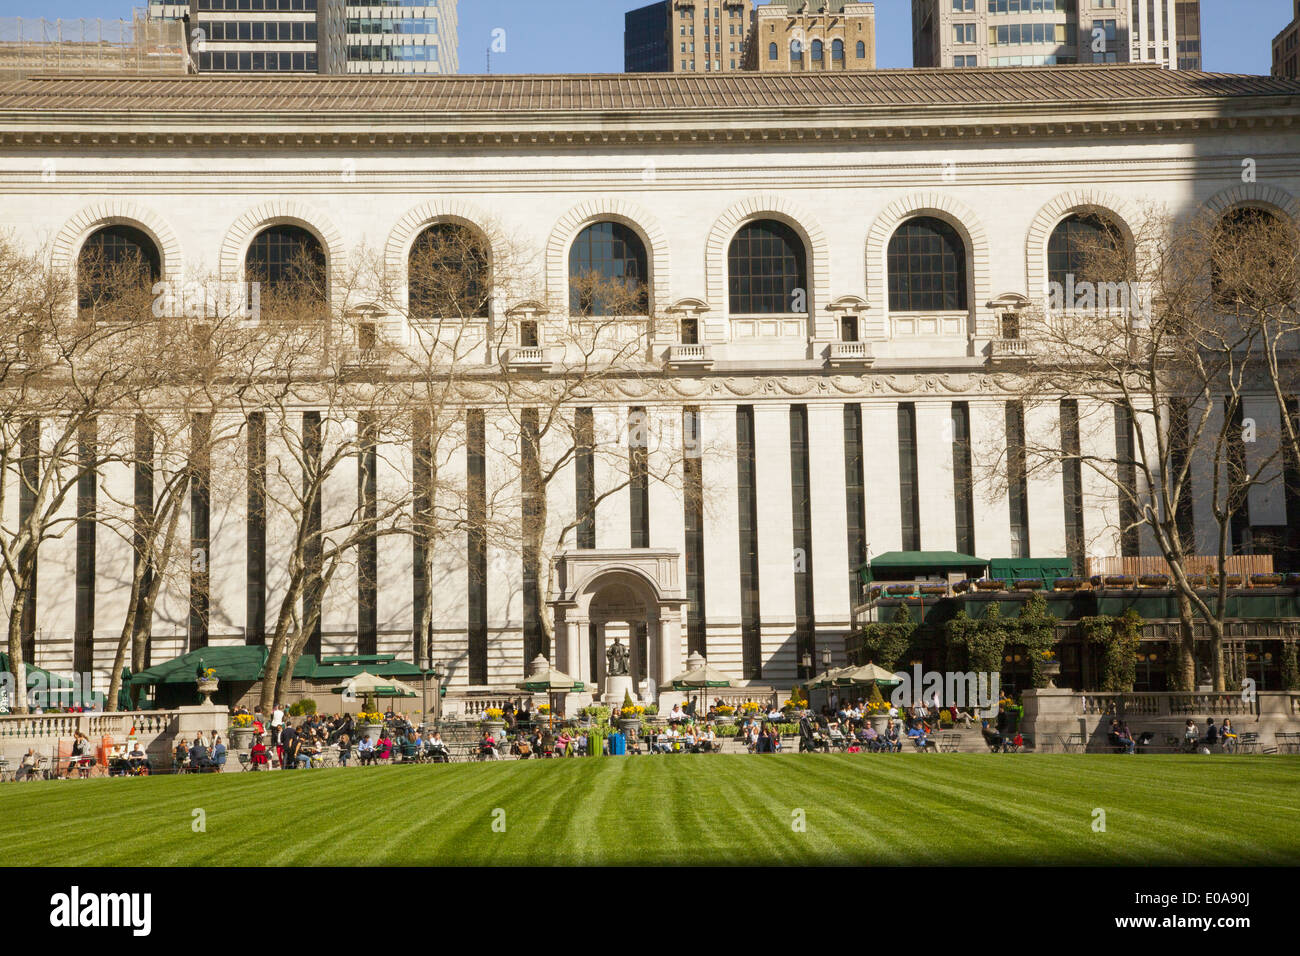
x=806 y=663
x=439 y=672
x=826 y=667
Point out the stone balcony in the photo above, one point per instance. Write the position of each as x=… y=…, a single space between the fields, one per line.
x=689 y=356
x=1010 y=351
x=850 y=355
x=528 y=358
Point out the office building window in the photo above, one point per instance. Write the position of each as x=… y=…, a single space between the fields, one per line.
x=963 y=489
x=908 y=480
x=368 y=548
x=313 y=550
x=476 y=487
x=255 y=554
x=750 y=622
x=639 y=478
x=83 y=645
x=801 y=519
x=585 y=476
x=1017 y=480
x=1126 y=473
x=1072 y=484
x=200 y=517
x=693 y=495
x=855 y=497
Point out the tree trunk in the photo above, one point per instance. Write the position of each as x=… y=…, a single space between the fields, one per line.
x=125 y=638
x=1185 y=672
x=271 y=669
x=16 y=664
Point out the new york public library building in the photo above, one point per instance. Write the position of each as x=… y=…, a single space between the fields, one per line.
x=522 y=366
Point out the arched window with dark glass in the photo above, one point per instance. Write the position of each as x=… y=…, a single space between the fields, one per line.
x=289 y=263
x=796 y=49
x=817 y=51
x=927 y=267
x=862 y=50
x=1079 y=246
x=767 y=270
x=608 y=271
x=837 y=51
x=117 y=264
x=447 y=273
x=1253 y=252
x=771 y=51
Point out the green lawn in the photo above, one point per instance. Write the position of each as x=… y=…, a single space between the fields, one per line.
x=858 y=809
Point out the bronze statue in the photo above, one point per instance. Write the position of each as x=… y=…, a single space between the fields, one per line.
x=616 y=657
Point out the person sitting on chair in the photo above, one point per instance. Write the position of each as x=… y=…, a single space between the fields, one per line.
x=365 y=752
x=218 y=754
x=487 y=748
x=1228 y=735
x=1211 y=738
x=137 y=763
x=258 y=758
x=199 y=759
x=181 y=756
x=1190 y=735
x=437 y=749
x=27 y=766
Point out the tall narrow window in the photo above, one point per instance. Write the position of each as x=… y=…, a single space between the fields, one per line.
x=29 y=450
x=1238 y=480
x=313 y=590
x=750 y=622
x=421 y=541
x=1291 y=482
x=143 y=516
x=639 y=478
x=200 y=518
x=909 y=498
x=1017 y=480
x=368 y=550
x=693 y=493
x=534 y=639
x=585 y=477
x=477 y=558
x=963 y=490
x=255 y=623
x=1126 y=453
x=1184 y=516
x=1072 y=484
x=83 y=647
x=805 y=624
x=855 y=498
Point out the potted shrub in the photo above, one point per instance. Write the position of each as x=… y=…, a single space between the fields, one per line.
x=990 y=584
x=1028 y=584
x=1119 y=581
x=934 y=590
x=1067 y=584
x=962 y=586
x=1154 y=580
x=900 y=590
x=875 y=592
x=1265 y=580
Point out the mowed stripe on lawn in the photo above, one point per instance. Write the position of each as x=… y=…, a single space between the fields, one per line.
x=680 y=810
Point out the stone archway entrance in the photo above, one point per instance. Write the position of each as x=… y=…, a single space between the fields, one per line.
x=632 y=596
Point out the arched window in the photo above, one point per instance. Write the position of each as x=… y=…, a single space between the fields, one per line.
x=837 y=51
x=117 y=264
x=927 y=267
x=1253 y=255
x=1082 y=243
x=771 y=51
x=796 y=49
x=767 y=270
x=817 y=51
x=447 y=273
x=608 y=271
x=862 y=50
x=289 y=262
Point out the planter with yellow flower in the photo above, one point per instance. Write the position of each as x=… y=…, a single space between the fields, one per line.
x=630 y=717
x=241 y=732
x=724 y=715
x=1049 y=667
x=878 y=715
x=495 y=722
x=207 y=683
x=370 y=726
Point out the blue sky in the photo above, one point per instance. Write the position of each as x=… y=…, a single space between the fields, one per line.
x=586 y=36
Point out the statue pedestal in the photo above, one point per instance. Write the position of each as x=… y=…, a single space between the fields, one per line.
x=615 y=688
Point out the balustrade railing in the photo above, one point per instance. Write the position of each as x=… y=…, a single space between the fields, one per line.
x=33 y=726
x=1196 y=704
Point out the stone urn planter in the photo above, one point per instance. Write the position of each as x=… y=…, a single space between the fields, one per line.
x=207 y=688
x=241 y=738
x=629 y=727
x=493 y=727
x=371 y=732
x=879 y=722
x=1051 y=670
x=727 y=721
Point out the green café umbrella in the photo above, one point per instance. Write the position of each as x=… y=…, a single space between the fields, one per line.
x=832 y=677
x=546 y=679
x=366 y=686
x=870 y=674
x=697 y=676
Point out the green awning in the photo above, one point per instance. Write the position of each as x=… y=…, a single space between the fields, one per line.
x=232 y=664
x=925 y=560
x=63 y=696
x=341 y=672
